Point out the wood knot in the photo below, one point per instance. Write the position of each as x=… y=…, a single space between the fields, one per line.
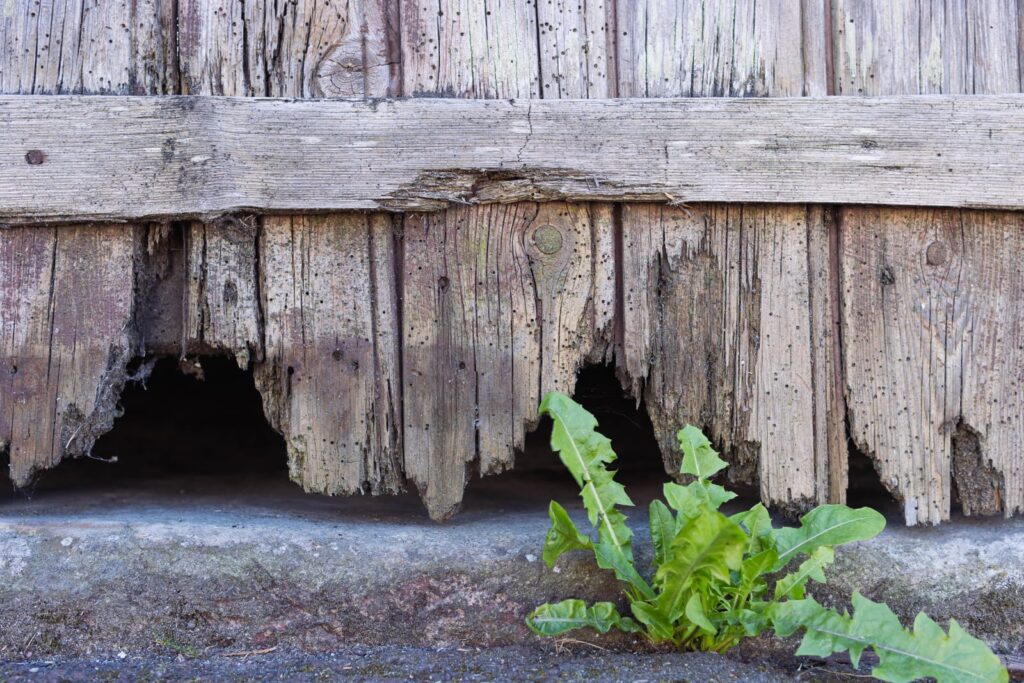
x=936 y=253
x=341 y=73
x=35 y=157
x=442 y=283
x=548 y=239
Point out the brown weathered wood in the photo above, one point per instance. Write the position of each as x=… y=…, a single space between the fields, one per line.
x=727 y=309
x=324 y=300
x=932 y=371
x=147 y=157
x=68 y=316
x=221 y=299
x=66 y=323
x=330 y=381
x=502 y=302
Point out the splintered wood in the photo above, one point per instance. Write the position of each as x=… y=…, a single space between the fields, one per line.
x=411 y=349
x=502 y=304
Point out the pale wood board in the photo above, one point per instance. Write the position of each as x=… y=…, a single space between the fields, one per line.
x=932 y=368
x=329 y=382
x=728 y=308
x=137 y=157
x=502 y=302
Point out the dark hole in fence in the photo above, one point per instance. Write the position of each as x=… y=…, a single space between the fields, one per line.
x=208 y=423
x=539 y=475
x=864 y=485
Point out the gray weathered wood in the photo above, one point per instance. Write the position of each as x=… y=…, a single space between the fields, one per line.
x=143 y=157
x=930 y=298
x=68 y=316
x=727 y=309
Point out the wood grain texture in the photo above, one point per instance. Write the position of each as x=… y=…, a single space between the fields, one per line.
x=307 y=48
x=83 y=46
x=502 y=303
x=474 y=48
x=728 y=308
x=324 y=300
x=329 y=383
x=66 y=325
x=147 y=157
x=68 y=314
x=221 y=299
x=932 y=374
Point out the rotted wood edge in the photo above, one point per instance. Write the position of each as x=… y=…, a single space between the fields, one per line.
x=84 y=158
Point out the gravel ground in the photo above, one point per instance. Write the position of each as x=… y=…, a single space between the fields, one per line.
x=515 y=663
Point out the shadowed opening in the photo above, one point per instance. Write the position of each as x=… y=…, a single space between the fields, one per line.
x=864 y=485
x=539 y=475
x=207 y=423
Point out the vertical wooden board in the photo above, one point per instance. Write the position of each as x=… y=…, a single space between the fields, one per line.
x=735 y=48
x=66 y=321
x=222 y=309
x=939 y=330
x=328 y=382
x=988 y=464
x=501 y=303
x=457 y=48
x=904 y=320
x=330 y=376
x=576 y=42
x=910 y=48
x=307 y=48
x=83 y=46
x=500 y=306
x=68 y=294
x=728 y=310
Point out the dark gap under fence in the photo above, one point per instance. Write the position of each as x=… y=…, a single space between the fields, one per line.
x=206 y=423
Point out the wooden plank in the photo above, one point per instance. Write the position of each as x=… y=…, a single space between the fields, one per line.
x=221 y=300
x=147 y=157
x=324 y=300
x=328 y=383
x=931 y=375
x=65 y=320
x=82 y=46
x=502 y=302
x=68 y=315
x=728 y=309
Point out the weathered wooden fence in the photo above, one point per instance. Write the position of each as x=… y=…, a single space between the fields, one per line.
x=792 y=275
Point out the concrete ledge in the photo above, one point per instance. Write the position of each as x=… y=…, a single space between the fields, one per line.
x=182 y=565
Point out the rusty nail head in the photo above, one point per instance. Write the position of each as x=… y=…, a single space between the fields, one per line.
x=35 y=157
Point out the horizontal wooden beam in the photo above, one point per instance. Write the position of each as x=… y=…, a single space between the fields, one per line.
x=65 y=158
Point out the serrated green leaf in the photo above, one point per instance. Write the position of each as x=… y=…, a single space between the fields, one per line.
x=699 y=458
x=925 y=652
x=830 y=525
x=709 y=545
x=663 y=530
x=585 y=453
x=569 y=615
x=563 y=536
x=792 y=585
x=758 y=524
